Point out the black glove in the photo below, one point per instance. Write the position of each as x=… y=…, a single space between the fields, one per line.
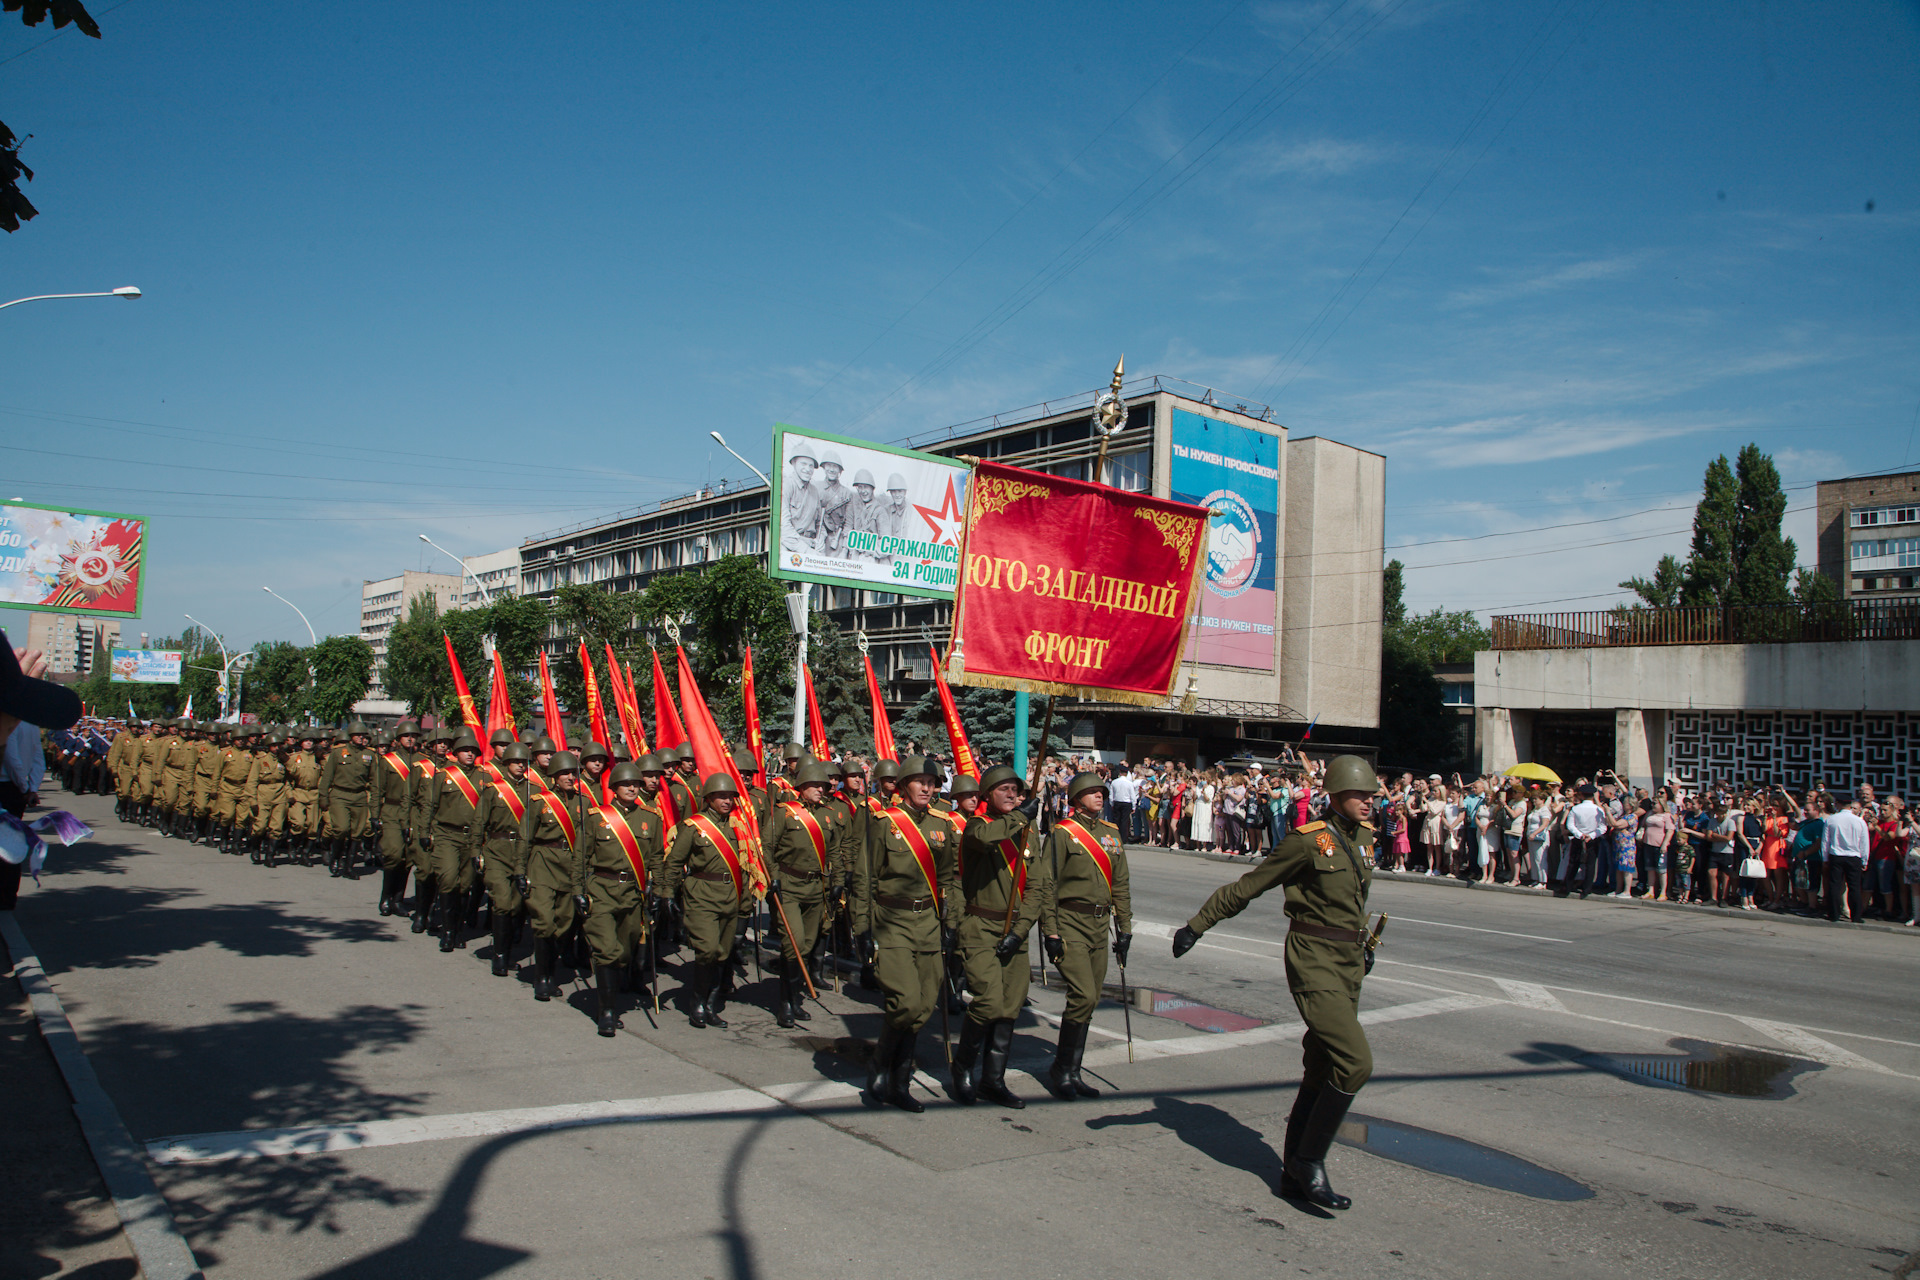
x=1369 y=968
x=580 y=903
x=949 y=938
x=866 y=948
x=1183 y=939
x=773 y=887
x=426 y=842
x=1120 y=944
x=1054 y=948
x=1009 y=946
x=520 y=885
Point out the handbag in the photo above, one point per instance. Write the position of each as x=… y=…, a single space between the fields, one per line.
x=1751 y=868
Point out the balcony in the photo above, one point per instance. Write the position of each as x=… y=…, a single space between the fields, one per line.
x=1897 y=619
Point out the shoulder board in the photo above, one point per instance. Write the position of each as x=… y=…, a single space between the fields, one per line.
x=1366 y=826
x=1312 y=826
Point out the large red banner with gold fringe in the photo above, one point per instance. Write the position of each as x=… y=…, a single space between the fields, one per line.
x=1075 y=588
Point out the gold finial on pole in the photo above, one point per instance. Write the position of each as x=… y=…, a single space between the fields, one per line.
x=1109 y=415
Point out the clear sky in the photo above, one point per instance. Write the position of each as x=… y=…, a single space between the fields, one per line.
x=483 y=270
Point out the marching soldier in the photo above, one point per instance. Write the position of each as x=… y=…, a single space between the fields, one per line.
x=595 y=760
x=994 y=901
x=176 y=776
x=206 y=785
x=454 y=803
x=896 y=912
x=611 y=874
x=503 y=809
x=541 y=766
x=394 y=797
x=548 y=839
x=303 y=795
x=1325 y=870
x=267 y=781
x=346 y=780
x=420 y=780
x=708 y=868
x=123 y=763
x=886 y=776
x=232 y=764
x=147 y=772
x=805 y=840
x=1085 y=888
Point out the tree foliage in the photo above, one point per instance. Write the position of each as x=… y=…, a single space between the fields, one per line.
x=417 y=670
x=1739 y=554
x=1393 y=591
x=988 y=716
x=343 y=671
x=1416 y=727
x=1662 y=591
x=15 y=208
x=277 y=687
x=1445 y=636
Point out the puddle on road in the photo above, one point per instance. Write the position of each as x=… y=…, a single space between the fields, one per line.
x=1710 y=1068
x=1458 y=1158
x=1199 y=1016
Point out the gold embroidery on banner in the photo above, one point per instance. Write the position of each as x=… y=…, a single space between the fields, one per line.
x=993 y=494
x=1176 y=529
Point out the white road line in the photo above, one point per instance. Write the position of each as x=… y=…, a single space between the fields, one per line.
x=1531 y=995
x=1184 y=1046
x=1473 y=928
x=1808 y=1045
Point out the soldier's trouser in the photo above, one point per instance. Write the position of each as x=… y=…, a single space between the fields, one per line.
x=616 y=919
x=453 y=867
x=999 y=986
x=348 y=815
x=804 y=905
x=1084 y=966
x=393 y=843
x=911 y=980
x=421 y=858
x=500 y=891
x=172 y=791
x=1335 y=1046
x=202 y=801
x=710 y=931
x=225 y=805
x=143 y=787
x=550 y=891
x=271 y=817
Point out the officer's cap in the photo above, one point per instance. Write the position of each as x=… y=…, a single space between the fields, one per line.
x=1083 y=783
x=627 y=771
x=719 y=784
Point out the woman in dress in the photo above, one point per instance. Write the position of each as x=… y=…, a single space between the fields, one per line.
x=1774 y=836
x=1539 y=833
x=1433 y=830
x=1204 y=792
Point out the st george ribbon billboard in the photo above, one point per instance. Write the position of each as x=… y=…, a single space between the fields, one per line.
x=1234 y=472
x=53 y=560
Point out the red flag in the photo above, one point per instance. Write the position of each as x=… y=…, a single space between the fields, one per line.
x=468 y=712
x=667 y=729
x=816 y=728
x=882 y=731
x=756 y=745
x=963 y=760
x=710 y=756
x=499 y=706
x=550 y=705
x=626 y=707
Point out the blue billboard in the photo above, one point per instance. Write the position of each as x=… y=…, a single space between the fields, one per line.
x=1234 y=472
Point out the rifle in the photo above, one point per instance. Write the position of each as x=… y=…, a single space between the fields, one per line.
x=1126 y=997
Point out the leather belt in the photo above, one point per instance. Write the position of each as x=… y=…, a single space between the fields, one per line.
x=462 y=828
x=803 y=877
x=613 y=875
x=710 y=875
x=986 y=913
x=548 y=844
x=1095 y=909
x=1323 y=931
x=902 y=904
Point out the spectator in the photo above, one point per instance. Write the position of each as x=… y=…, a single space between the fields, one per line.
x=1202 y=796
x=1775 y=837
x=1889 y=854
x=1587 y=829
x=1844 y=847
x=27 y=705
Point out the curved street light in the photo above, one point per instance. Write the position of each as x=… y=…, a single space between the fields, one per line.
x=313 y=676
x=226 y=663
x=126 y=291
x=743 y=462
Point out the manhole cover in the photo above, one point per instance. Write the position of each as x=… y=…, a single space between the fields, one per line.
x=1710 y=1068
x=1458 y=1158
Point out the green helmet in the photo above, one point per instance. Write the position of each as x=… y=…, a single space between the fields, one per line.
x=445 y=733
x=356 y=727
x=1083 y=783
x=465 y=742
x=407 y=728
x=791 y=751
x=1002 y=773
x=593 y=751
x=811 y=772
x=542 y=744
x=718 y=784
x=563 y=762
x=743 y=760
x=886 y=769
x=1350 y=773
x=963 y=785
x=917 y=767
x=514 y=751
x=624 y=772
x=500 y=738
x=836 y=768
x=649 y=763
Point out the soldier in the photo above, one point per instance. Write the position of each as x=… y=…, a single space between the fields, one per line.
x=800 y=529
x=836 y=506
x=611 y=873
x=680 y=780
x=708 y=869
x=541 y=766
x=548 y=839
x=346 y=780
x=885 y=776
x=394 y=798
x=595 y=760
x=153 y=747
x=896 y=912
x=268 y=783
x=420 y=781
x=500 y=738
x=503 y=810
x=863 y=516
x=454 y=839
x=780 y=786
x=1324 y=867
x=806 y=850
x=893 y=520
x=964 y=789
x=176 y=777
x=122 y=762
x=994 y=900
x=206 y=785
x=1085 y=888
x=303 y=795
x=232 y=764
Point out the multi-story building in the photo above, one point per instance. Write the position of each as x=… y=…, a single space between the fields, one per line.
x=71 y=642
x=1869 y=535
x=490 y=575
x=384 y=602
x=1301 y=640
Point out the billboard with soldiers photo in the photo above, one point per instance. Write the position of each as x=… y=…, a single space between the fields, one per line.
x=851 y=513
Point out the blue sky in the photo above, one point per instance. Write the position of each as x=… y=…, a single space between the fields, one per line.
x=483 y=270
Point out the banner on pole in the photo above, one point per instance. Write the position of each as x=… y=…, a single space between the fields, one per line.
x=1075 y=588
x=57 y=561
x=145 y=666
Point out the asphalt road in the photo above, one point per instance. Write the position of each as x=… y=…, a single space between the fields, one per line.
x=325 y=1094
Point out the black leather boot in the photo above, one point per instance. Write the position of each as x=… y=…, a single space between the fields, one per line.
x=697 y=996
x=993 y=1066
x=503 y=944
x=966 y=1062
x=719 y=986
x=543 y=960
x=393 y=883
x=901 y=1095
x=453 y=928
x=783 y=1002
x=423 y=892
x=1296 y=1121
x=609 y=992
x=1308 y=1164
x=880 y=1065
x=271 y=850
x=1063 y=1077
x=797 y=986
x=256 y=851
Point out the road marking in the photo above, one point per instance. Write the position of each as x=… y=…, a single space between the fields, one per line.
x=1474 y=928
x=1531 y=995
x=1185 y=1046
x=1808 y=1045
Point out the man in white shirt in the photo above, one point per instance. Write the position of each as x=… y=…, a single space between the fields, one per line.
x=1587 y=828
x=1120 y=797
x=1844 y=845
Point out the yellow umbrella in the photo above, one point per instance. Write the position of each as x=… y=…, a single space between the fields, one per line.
x=1536 y=772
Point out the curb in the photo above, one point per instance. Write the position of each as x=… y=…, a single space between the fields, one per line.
x=1635 y=904
x=144 y=1215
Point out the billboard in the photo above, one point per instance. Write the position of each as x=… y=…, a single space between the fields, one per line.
x=145 y=666
x=58 y=561
x=850 y=513
x=1234 y=472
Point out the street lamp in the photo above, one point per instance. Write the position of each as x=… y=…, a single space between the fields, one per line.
x=757 y=471
x=313 y=676
x=797 y=615
x=226 y=663
x=486 y=641
x=126 y=291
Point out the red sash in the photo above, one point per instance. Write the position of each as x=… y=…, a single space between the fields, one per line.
x=624 y=834
x=399 y=765
x=505 y=791
x=466 y=788
x=910 y=835
x=707 y=827
x=493 y=771
x=812 y=825
x=1092 y=847
x=558 y=808
x=425 y=766
x=1016 y=867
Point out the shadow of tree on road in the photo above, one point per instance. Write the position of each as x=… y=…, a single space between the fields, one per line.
x=99 y=926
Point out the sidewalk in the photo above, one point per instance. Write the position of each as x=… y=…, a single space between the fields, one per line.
x=1638 y=904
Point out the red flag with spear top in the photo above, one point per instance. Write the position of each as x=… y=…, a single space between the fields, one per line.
x=882 y=731
x=468 y=712
x=963 y=758
x=710 y=756
x=597 y=718
x=625 y=706
x=816 y=728
x=550 y=706
x=756 y=745
x=499 y=705
x=667 y=729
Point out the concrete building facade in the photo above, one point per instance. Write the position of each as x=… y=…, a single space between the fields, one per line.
x=1869 y=535
x=71 y=642
x=384 y=602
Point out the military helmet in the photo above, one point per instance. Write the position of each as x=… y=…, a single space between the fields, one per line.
x=620 y=754
x=836 y=768
x=718 y=784
x=500 y=737
x=805 y=452
x=649 y=763
x=963 y=785
x=791 y=751
x=1002 y=773
x=594 y=751
x=514 y=751
x=383 y=739
x=917 y=767
x=358 y=726
x=276 y=738
x=563 y=762
x=1350 y=773
x=896 y=481
x=627 y=771
x=812 y=771
x=465 y=742
x=1083 y=783
x=743 y=760
x=863 y=476
x=542 y=743
x=445 y=733
x=831 y=458
x=885 y=769
x=406 y=727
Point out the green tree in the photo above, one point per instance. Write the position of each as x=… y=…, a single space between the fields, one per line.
x=1663 y=589
x=1443 y=636
x=277 y=688
x=987 y=715
x=1416 y=728
x=1763 y=558
x=1393 y=591
x=343 y=671
x=1810 y=586
x=416 y=671
x=599 y=617
x=1716 y=522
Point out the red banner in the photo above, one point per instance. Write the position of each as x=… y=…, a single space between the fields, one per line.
x=882 y=731
x=1075 y=588
x=816 y=727
x=468 y=712
x=667 y=729
x=627 y=709
x=756 y=744
x=550 y=705
x=596 y=713
x=499 y=707
x=963 y=757
x=711 y=756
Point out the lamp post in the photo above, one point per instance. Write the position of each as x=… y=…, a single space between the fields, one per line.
x=126 y=291
x=486 y=597
x=797 y=615
x=313 y=641
x=749 y=466
x=226 y=663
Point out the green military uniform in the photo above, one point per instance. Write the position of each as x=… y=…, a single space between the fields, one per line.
x=206 y=783
x=615 y=887
x=153 y=750
x=393 y=805
x=346 y=782
x=303 y=796
x=806 y=851
x=1326 y=870
x=715 y=888
x=503 y=808
x=454 y=805
x=420 y=785
x=1079 y=902
x=122 y=761
x=268 y=781
x=995 y=893
x=547 y=841
x=176 y=775
x=231 y=766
